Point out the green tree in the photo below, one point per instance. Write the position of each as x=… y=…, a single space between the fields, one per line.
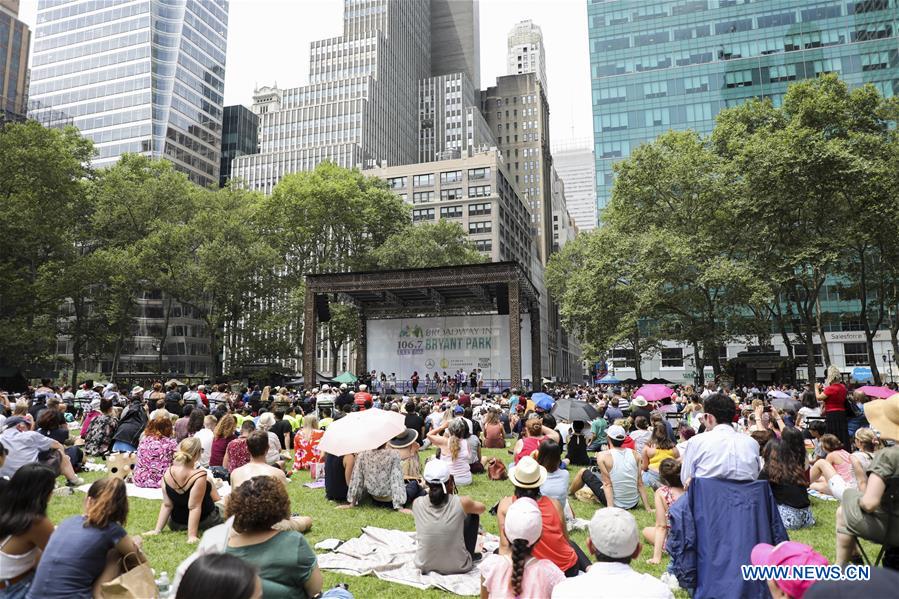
x=343 y=327
x=443 y=243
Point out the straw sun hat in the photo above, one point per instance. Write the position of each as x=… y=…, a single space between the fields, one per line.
x=883 y=414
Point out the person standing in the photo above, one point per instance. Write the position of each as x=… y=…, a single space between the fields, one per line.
x=414 y=380
x=833 y=394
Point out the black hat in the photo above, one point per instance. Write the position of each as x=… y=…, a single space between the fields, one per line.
x=405 y=439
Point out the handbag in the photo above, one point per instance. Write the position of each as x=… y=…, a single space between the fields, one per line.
x=134 y=583
x=496 y=470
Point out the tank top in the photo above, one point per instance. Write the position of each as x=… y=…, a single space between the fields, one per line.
x=845 y=469
x=439 y=530
x=552 y=544
x=529 y=445
x=658 y=456
x=624 y=478
x=459 y=468
x=180 y=497
x=16 y=565
x=493 y=434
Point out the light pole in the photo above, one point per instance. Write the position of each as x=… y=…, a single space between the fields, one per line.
x=888 y=362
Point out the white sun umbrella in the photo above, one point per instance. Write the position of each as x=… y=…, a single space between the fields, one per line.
x=359 y=431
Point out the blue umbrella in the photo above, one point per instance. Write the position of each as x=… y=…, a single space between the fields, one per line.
x=543 y=401
x=609 y=379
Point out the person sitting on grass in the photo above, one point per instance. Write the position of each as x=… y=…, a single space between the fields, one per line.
x=25 y=446
x=615 y=542
x=785 y=469
x=554 y=544
x=24 y=526
x=154 y=453
x=838 y=460
x=517 y=573
x=577 y=445
x=221 y=576
x=446 y=524
x=454 y=449
x=273 y=455
x=98 y=437
x=224 y=433
x=672 y=488
x=378 y=473
x=237 y=454
x=536 y=432
x=659 y=447
x=188 y=495
x=86 y=551
x=306 y=442
x=616 y=479
x=549 y=455
x=866 y=444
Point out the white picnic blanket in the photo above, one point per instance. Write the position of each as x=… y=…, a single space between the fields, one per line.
x=389 y=555
x=135 y=491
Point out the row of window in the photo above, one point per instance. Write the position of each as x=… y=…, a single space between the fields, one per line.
x=427 y=180
x=448 y=195
x=855 y=354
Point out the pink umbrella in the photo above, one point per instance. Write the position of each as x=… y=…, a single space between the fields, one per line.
x=360 y=431
x=654 y=392
x=879 y=392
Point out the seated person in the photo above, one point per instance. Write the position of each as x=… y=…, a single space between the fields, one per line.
x=237 y=454
x=837 y=460
x=720 y=451
x=378 y=473
x=672 y=488
x=188 y=494
x=658 y=448
x=98 y=437
x=86 y=551
x=258 y=444
x=577 y=445
x=154 y=453
x=222 y=576
x=454 y=448
x=549 y=455
x=786 y=472
x=286 y=562
x=615 y=542
x=24 y=446
x=338 y=473
x=866 y=515
x=618 y=481
x=273 y=455
x=446 y=524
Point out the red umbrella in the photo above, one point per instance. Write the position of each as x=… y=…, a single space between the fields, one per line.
x=654 y=392
x=878 y=392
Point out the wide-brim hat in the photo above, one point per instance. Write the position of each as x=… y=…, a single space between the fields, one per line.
x=883 y=414
x=640 y=402
x=404 y=439
x=527 y=474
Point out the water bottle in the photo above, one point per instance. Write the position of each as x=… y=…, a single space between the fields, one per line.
x=163 y=585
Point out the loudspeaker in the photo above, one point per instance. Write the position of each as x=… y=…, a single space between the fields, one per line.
x=322 y=310
x=502 y=300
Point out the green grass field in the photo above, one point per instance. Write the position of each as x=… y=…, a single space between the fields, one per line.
x=168 y=549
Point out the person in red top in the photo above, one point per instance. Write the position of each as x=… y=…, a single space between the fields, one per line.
x=237 y=453
x=554 y=543
x=536 y=433
x=833 y=394
x=362 y=396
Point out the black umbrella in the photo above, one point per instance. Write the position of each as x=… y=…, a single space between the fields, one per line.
x=573 y=409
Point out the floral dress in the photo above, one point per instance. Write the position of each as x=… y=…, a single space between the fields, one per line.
x=306 y=451
x=98 y=438
x=154 y=456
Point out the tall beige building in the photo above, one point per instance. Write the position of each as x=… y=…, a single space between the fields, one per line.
x=15 y=39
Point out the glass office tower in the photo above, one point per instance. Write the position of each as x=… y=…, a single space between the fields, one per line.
x=144 y=76
x=674 y=65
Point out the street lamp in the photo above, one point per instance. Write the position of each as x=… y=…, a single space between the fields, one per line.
x=888 y=362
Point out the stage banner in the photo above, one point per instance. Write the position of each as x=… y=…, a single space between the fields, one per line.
x=437 y=344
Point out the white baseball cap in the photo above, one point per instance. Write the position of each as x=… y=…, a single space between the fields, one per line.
x=613 y=532
x=436 y=472
x=524 y=521
x=343 y=385
x=326 y=387
x=363 y=387
x=616 y=432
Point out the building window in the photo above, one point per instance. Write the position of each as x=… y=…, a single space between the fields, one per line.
x=422 y=214
x=672 y=357
x=699 y=112
x=451 y=194
x=694 y=85
x=613 y=121
x=856 y=354
x=786 y=72
x=875 y=61
x=480 y=227
x=423 y=180
x=738 y=78
x=450 y=177
x=657 y=117
x=612 y=94
x=478 y=173
x=397 y=182
x=479 y=209
x=479 y=191
x=422 y=197
x=451 y=212
x=799 y=351
x=622 y=357
x=828 y=65
x=483 y=245
x=655 y=89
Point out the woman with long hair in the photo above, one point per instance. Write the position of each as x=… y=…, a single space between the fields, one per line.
x=24 y=527
x=77 y=560
x=516 y=573
x=154 y=453
x=446 y=524
x=188 y=495
x=454 y=449
x=549 y=455
x=833 y=394
x=810 y=409
x=785 y=469
x=672 y=488
x=659 y=447
x=224 y=433
x=305 y=443
x=837 y=462
x=494 y=435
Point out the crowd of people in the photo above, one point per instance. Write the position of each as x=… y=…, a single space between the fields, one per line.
x=189 y=441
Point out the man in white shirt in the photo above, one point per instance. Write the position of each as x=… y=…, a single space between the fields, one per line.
x=614 y=541
x=720 y=452
x=206 y=435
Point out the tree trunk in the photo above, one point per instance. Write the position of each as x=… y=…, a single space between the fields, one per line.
x=167 y=311
x=819 y=327
x=782 y=326
x=638 y=354
x=699 y=364
x=335 y=349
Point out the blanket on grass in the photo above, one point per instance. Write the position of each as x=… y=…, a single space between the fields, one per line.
x=389 y=555
x=134 y=491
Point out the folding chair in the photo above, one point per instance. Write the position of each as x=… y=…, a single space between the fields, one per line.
x=890 y=504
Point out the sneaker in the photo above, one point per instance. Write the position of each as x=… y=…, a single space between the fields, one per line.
x=75 y=483
x=63 y=491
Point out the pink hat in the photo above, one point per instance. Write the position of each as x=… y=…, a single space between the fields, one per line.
x=788 y=553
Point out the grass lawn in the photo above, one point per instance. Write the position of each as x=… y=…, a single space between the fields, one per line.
x=168 y=549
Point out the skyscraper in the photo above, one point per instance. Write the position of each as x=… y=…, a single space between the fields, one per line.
x=14 y=41
x=449 y=117
x=576 y=165
x=142 y=76
x=674 y=65
x=456 y=39
x=525 y=51
x=240 y=136
x=362 y=92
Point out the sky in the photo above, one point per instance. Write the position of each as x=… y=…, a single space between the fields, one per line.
x=268 y=42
